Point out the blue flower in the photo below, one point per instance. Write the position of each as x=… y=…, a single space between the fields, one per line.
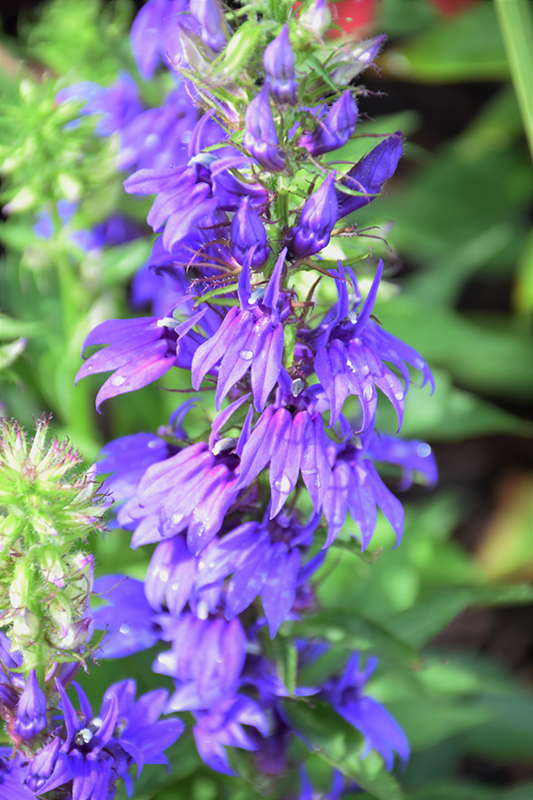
x=248 y=231
x=214 y=30
x=12 y=777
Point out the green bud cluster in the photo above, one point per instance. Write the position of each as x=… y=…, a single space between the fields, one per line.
x=48 y=507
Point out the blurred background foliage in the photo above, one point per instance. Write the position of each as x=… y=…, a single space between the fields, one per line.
x=449 y=612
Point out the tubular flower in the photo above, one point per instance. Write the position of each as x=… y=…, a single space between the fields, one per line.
x=248 y=231
x=95 y=751
x=335 y=129
x=261 y=136
x=368 y=175
x=350 y=356
x=250 y=338
x=317 y=220
x=279 y=68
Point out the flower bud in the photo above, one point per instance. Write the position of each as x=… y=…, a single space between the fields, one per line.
x=261 y=136
x=25 y=629
x=369 y=175
x=335 y=130
x=317 y=18
x=52 y=567
x=317 y=220
x=279 y=67
x=211 y=17
x=20 y=591
x=31 y=710
x=247 y=230
x=354 y=59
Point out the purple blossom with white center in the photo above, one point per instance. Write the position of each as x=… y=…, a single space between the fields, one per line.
x=221 y=726
x=317 y=220
x=347 y=697
x=350 y=355
x=248 y=231
x=335 y=129
x=93 y=752
x=261 y=136
x=369 y=174
x=249 y=338
x=355 y=486
x=290 y=436
x=141 y=351
x=206 y=659
x=278 y=61
x=31 y=709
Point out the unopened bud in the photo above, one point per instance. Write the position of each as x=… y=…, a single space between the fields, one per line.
x=20 y=591
x=31 y=710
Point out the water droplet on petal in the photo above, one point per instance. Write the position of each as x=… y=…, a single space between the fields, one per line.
x=283 y=485
x=177 y=518
x=118 y=380
x=367 y=392
x=163 y=575
x=247 y=355
x=124 y=629
x=423 y=450
x=398 y=394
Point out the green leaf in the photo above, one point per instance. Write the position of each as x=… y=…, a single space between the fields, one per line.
x=242 y=45
x=12 y=328
x=121 y=262
x=517 y=29
x=351 y=630
x=215 y=293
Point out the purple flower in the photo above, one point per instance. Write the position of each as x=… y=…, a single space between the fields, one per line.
x=278 y=61
x=369 y=175
x=192 y=490
x=12 y=776
x=317 y=220
x=127 y=618
x=155 y=33
x=11 y=679
x=117 y=105
x=209 y=14
x=381 y=731
x=412 y=456
x=265 y=560
x=355 y=486
x=335 y=129
x=351 y=351
x=250 y=338
x=95 y=751
x=221 y=726
x=248 y=231
x=140 y=352
x=261 y=136
x=31 y=709
x=290 y=435
x=206 y=660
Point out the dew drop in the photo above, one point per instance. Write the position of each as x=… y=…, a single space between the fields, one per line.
x=177 y=518
x=124 y=629
x=367 y=392
x=163 y=575
x=118 y=380
x=423 y=450
x=152 y=444
x=247 y=355
x=398 y=394
x=419 y=364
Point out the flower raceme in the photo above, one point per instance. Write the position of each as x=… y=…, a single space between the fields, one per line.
x=246 y=201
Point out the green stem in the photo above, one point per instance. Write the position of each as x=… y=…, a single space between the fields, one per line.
x=517 y=30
